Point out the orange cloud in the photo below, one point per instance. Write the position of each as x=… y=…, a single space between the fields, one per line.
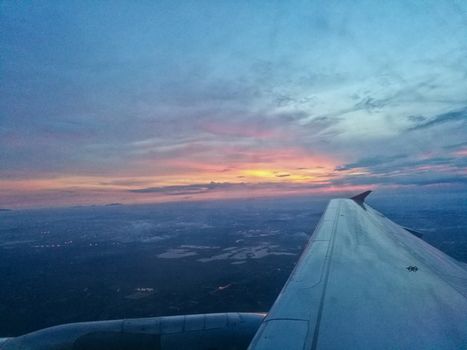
x=272 y=167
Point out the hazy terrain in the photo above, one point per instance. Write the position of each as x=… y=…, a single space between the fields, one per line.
x=90 y=263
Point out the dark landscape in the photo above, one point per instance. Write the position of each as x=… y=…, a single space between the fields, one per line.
x=122 y=261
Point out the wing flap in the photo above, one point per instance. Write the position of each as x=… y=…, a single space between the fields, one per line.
x=273 y=335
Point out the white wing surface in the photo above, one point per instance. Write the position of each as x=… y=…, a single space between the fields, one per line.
x=364 y=282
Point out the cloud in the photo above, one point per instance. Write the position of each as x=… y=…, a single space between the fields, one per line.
x=124 y=182
x=372 y=104
x=255 y=127
x=456 y=146
x=433 y=168
x=371 y=162
x=178 y=190
x=182 y=94
x=453 y=116
x=406 y=179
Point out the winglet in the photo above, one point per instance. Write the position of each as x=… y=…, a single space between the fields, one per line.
x=415 y=233
x=360 y=198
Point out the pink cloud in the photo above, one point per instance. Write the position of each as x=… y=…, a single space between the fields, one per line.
x=461 y=153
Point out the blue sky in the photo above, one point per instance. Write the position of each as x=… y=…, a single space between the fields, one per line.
x=179 y=100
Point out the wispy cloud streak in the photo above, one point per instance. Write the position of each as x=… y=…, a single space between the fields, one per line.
x=165 y=100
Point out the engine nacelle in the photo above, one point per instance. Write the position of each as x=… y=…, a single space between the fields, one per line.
x=229 y=331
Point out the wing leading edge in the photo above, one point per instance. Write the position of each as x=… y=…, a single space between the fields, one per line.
x=364 y=282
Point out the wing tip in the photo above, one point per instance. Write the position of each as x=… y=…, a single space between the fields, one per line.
x=360 y=198
x=414 y=232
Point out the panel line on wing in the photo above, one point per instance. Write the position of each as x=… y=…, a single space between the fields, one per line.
x=326 y=278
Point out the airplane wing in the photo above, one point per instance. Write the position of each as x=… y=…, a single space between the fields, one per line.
x=364 y=282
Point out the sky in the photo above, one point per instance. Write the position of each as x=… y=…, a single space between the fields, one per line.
x=154 y=101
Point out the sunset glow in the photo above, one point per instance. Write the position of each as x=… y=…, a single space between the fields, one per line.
x=230 y=100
